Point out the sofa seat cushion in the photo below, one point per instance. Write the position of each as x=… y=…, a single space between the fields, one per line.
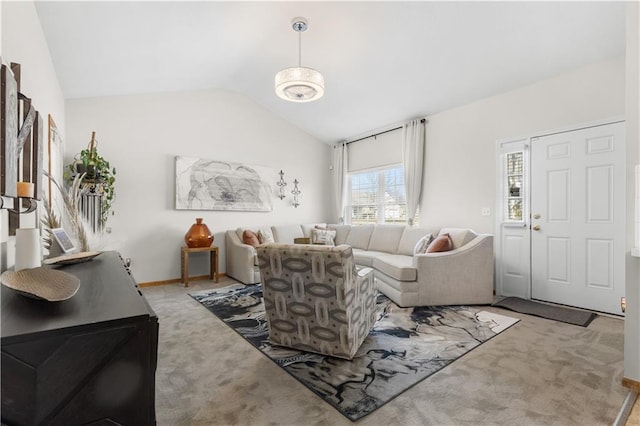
x=396 y=266
x=390 y=286
x=365 y=257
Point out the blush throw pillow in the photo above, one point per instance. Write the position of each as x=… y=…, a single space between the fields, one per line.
x=250 y=237
x=441 y=243
x=323 y=236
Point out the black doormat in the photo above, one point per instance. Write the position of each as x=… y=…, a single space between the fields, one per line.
x=552 y=312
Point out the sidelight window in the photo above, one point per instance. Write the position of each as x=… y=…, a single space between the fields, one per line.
x=514 y=186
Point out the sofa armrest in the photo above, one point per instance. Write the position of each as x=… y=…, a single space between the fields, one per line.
x=240 y=259
x=460 y=276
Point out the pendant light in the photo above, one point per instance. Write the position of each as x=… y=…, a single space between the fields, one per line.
x=299 y=84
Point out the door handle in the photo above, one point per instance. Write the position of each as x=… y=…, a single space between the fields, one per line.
x=536 y=227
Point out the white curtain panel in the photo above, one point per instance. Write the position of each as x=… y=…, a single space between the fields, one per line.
x=413 y=145
x=340 y=171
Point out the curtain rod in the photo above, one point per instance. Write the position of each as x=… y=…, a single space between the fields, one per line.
x=380 y=133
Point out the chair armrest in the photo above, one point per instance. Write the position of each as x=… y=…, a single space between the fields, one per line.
x=363 y=272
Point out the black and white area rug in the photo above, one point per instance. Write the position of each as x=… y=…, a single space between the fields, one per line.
x=405 y=346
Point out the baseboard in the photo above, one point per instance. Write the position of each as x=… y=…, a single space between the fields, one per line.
x=634 y=385
x=178 y=280
x=625 y=410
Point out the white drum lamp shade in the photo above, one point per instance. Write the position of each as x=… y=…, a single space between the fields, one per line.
x=299 y=84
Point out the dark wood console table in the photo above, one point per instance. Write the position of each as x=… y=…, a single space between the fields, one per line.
x=87 y=360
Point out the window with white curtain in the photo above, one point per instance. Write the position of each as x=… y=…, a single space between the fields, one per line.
x=378 y=196
x=376 y=191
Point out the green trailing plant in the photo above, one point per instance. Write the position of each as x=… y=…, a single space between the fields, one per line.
x=98 y=174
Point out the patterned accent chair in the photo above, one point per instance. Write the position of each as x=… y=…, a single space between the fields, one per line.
x=315 y=299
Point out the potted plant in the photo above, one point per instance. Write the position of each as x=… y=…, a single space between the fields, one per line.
x=99 y=177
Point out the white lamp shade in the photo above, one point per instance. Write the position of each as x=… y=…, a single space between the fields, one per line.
x=299 y=84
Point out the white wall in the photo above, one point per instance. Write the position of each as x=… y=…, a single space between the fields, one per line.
x=141 y=135
x=632 y=322
x=461 y=143
x=23 y=42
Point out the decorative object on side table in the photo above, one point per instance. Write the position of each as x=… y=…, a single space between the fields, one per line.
x=296 y=192
x=42 y=283
x=198 y=235
x=281 y=184
x=27 y=249
x=70 y=259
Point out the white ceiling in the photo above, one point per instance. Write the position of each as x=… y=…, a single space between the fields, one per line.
x=383 y=62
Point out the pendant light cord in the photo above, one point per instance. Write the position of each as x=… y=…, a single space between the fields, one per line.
x=299 y=49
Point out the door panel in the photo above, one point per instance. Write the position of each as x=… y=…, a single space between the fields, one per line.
x=578 y=215
x=558 y=260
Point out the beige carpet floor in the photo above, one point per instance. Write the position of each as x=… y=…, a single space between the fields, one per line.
x=539 y=372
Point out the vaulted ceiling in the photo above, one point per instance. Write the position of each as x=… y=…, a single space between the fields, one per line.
x=383 y=62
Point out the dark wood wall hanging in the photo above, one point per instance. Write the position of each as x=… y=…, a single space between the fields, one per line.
x=21 y=153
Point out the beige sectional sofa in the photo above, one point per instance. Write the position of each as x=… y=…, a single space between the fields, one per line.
x=463 y=275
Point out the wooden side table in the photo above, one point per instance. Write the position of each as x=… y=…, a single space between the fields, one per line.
x=184 y=256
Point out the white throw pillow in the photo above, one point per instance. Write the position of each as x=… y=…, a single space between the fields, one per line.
x=265 y=236
x=422 y=244
x=323 y=236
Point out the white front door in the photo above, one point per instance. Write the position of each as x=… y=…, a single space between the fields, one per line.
x=578 y=216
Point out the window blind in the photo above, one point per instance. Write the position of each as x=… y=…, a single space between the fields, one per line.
x=376 y=152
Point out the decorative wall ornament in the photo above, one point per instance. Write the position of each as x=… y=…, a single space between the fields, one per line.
x=281 y=183
x=296 y=192
x=203 y=184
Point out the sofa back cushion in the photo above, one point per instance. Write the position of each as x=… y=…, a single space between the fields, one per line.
x=409 y=239
x=459 y=236
x=284 y=234
x=359 y=236
x=386 y=238
x=307 y=228
x=342 y=231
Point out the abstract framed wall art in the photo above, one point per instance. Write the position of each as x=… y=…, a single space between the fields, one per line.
x=203 y=184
